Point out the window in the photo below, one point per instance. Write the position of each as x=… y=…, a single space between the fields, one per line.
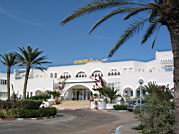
x=130 y=70
x=81 y=74
x=113 y=72
x=51 y=75
x=3 y=94
x=3 y=82
x=28 y=95
x=31 y=94
x=55 y=75
x=65 y=75
x=150 y=70
x=124 y=70
x=97 y=74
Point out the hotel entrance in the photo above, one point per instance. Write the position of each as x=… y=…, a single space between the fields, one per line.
x=81 y=94
x=78 y=92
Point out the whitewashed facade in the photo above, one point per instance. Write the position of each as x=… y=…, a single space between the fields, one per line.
x=80 y=80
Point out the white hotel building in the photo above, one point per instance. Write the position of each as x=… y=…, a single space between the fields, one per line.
x=80 y=79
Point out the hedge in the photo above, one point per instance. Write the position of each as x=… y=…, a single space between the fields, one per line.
x=40 y=97
x=120 y=107
x=28 y=104
x=20 y=104
x=28 y=113
x=7 y=104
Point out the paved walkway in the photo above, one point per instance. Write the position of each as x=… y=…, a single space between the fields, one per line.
x=73 y=122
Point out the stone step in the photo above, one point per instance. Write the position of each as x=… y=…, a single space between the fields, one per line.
x=68 y=104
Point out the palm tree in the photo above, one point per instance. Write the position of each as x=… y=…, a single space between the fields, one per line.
x=9 y=60
x=155 y=14
x=30 y=58
x=110 y=93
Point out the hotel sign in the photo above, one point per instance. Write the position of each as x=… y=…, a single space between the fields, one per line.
x=85 y=61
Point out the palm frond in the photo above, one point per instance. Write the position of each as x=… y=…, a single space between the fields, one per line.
x=151 y=29
x=96 y=6
x=153 y=44
x=135 y=11
x=159 y=1
x=8 y=59
x=153 y=16
x=41 y=68
x=116 y=12
x=131 y=30
x=29 y=57
x=113 y=13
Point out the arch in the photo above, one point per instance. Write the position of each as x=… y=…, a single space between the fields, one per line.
x=138 y=91
x=97 y=73
x=78 y=92
x=65 y=75
x=47 y=91
x=38 y=92
x=113 y=72
x=128 y=92
x=81 y=74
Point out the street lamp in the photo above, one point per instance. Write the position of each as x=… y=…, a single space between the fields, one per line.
x=141 y=81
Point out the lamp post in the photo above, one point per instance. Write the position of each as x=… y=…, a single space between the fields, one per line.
x=141 y=81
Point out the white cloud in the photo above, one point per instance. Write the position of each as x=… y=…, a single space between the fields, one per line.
x=14 y=17
x=6 y=13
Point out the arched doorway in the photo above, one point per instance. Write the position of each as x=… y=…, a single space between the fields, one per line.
x=143 y=92
x=128 y=92
x=78 y=92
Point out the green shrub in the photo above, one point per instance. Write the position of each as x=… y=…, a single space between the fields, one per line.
x=10 y=113
x=28 y=113
x=28 y=104
x=7 y=104
x=48 y=112
x=54 y=93
x=20 y=104
x=158 y=114
x=2 y=114
x=40 y=97
x=120 y=107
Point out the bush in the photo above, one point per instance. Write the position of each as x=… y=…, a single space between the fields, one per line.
x=158 y=114
x=48 y=112
x=28 y=104
x=40 y=97
x=120 y=107
x=7 y=104
x=28 y=113
x=54 y=93
x=20 y=104
x=2 y=114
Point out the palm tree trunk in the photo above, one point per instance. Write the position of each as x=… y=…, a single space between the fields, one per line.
x=8 y=83
x=174 y=32
x=176 y=77
x=26 y=81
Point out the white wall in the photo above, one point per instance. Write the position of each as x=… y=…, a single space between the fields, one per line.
x=129 y=74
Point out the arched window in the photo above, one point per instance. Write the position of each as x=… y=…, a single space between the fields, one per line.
x=113 y=72
x=128 y=92
x=97 y=74
x=81 y=74
x=38 y=92
x=65 y=75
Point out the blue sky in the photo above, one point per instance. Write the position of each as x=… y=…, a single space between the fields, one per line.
x=37 y=23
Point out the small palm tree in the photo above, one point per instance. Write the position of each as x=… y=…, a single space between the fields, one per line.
x=110 y=93
x=9 y=60
x=30 y=58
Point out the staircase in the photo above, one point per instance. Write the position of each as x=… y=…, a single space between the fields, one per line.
x=72 y=104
